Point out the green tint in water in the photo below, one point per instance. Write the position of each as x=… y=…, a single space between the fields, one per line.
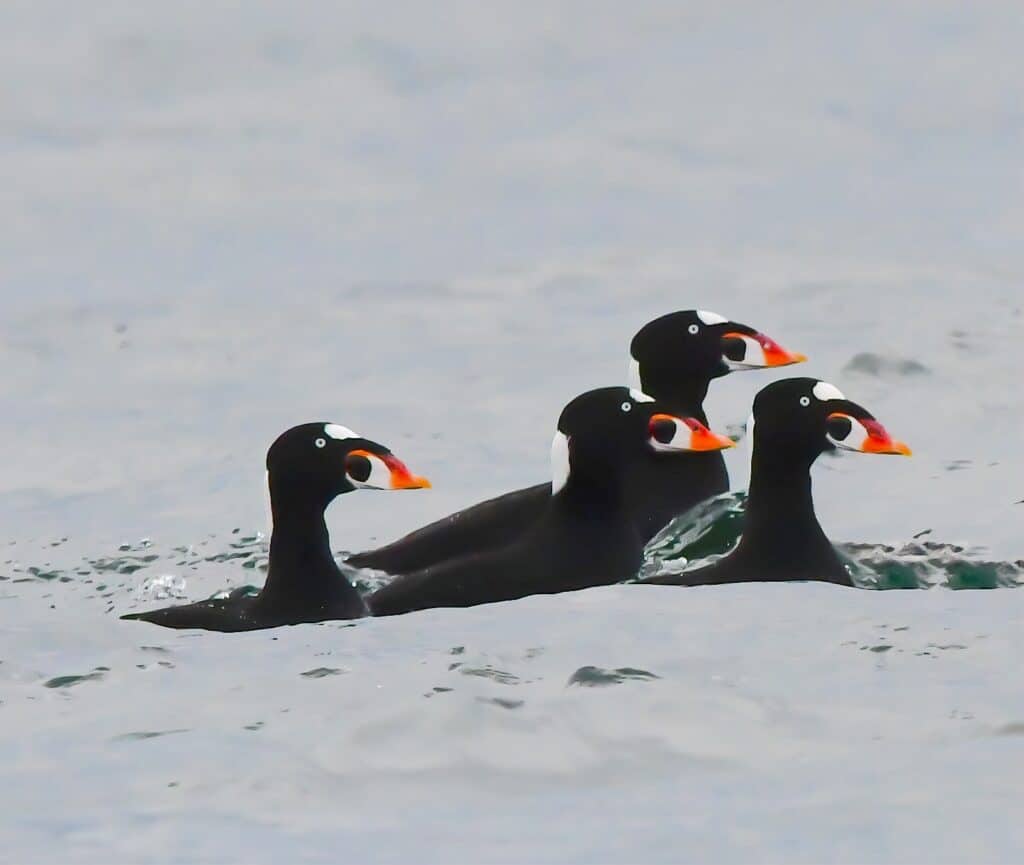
x=919 y=565
x=72 y=681
x=713 y=528
x=705 y=533
x=596 y=677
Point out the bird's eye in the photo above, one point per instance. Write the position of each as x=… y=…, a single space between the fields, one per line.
x=627 y=406
x=321 y=443
x=694 y=329
x=805 y=401
x=358 y=467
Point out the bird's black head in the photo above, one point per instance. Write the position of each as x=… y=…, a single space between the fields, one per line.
x=601 y=430
x=311 y=464
x=796 y=419
x=686 y=350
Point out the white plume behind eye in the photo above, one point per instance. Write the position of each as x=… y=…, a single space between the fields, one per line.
x=268 y=503
x=339 y=432
x=559 y=462
x=380 y=474
x=750 y=447
x=635 y=382
x=710 y=318
x=825 y=391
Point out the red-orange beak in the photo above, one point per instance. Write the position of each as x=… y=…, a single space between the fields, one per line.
x=383 y=472
x=755 y=350
x=401 y=477
x=671 y=433
x=869 y=437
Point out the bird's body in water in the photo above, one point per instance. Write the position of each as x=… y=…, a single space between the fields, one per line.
x=673 y=359
x=307 y=468
x=585 y=535
x=794 y=421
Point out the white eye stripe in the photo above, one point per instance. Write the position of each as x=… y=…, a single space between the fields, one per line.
x=639 y=396
x=339 y=432
x=710 y=318
x=559 y=462
x=825 y=391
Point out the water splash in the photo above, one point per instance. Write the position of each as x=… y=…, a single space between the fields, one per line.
x=147 y=570
x=714 y=527
x=709 y=530
x=366 y=580
x=163 y=587
x=918 y=565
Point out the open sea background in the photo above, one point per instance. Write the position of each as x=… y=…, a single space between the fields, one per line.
x=436 y=223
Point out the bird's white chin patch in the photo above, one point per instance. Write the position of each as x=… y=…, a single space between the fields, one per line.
x=559 y=462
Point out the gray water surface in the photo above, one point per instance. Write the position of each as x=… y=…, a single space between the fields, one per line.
x=436 y=223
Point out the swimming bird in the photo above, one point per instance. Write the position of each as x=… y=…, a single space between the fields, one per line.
x=585 y=534
x=307 y=468
x=794 y=421
x=674 y=359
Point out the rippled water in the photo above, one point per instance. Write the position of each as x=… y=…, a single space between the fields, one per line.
x=712 y=529
x=435 y=224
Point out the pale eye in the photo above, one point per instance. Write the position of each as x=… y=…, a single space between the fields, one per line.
x=805 y=401
x=694 y=329
x=627 y=406
x=321 y=443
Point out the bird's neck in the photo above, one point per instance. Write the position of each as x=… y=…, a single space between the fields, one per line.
x=588 y=529
x=781 y=528
x=589 y=495
x=302 y=573
x=681 y=395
